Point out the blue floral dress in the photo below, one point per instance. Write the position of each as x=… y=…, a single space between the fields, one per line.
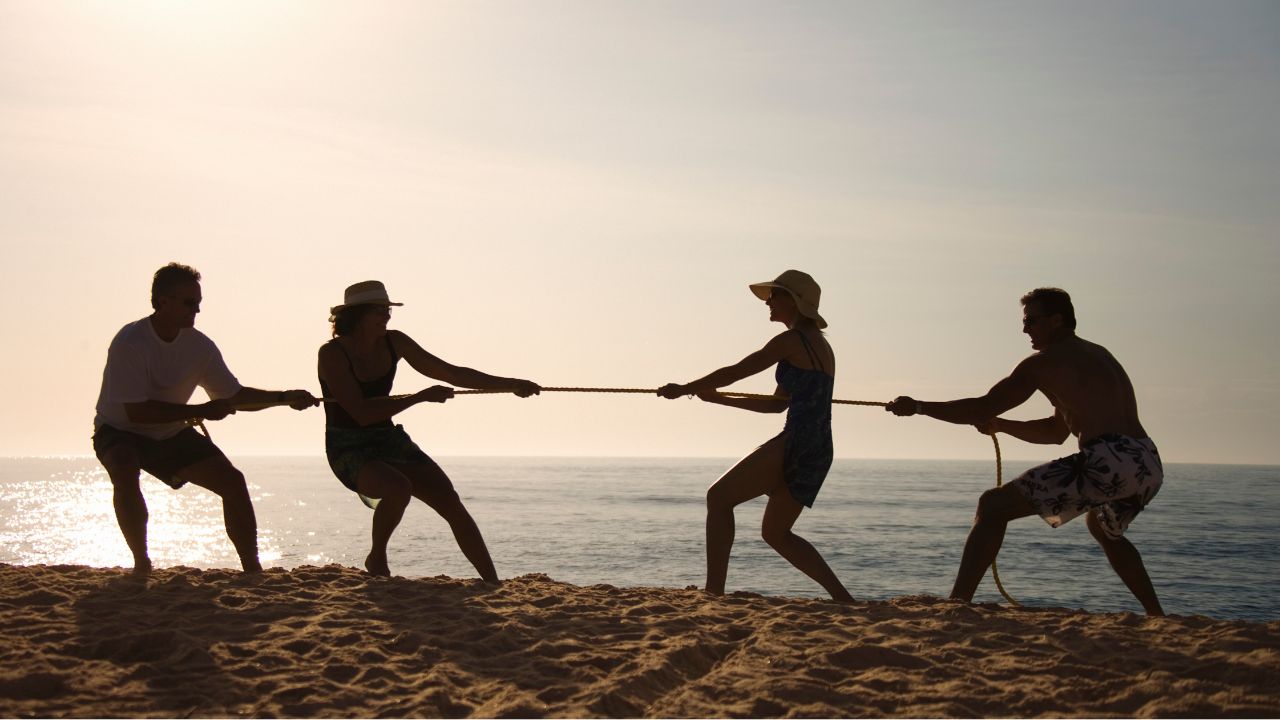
x=809 y=451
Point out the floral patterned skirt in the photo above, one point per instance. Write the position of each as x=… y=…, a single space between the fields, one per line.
x=348 y=449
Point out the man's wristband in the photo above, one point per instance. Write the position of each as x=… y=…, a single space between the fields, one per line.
x=919 y=408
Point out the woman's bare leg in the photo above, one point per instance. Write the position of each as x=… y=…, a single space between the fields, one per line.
x=754 y=475
x=779 y=517
x=392 y=490
x=432 y=486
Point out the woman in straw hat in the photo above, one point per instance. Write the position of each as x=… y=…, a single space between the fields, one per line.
x=369 y=454
x=791 y=466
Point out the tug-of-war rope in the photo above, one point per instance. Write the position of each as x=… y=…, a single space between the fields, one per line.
x=995 y=574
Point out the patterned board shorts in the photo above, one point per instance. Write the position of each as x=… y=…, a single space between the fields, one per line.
x=347 y=449
x=1114 y=476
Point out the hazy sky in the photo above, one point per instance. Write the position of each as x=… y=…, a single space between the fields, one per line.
x=579 y=193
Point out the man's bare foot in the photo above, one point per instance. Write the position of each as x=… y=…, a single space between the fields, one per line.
x=842 y=596
x=377 y=565
x=713 y=593
x=141 y=567
x=253 y=568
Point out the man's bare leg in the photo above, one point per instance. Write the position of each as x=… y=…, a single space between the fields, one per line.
x=122 y=467
x=996 y=508
x=1127 y=562
x=218 y=475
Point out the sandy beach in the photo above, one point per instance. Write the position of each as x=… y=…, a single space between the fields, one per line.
x=332 y=641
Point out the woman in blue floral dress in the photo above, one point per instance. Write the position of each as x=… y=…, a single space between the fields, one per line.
x=791 y=466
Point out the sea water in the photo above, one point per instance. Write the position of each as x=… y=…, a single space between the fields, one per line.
x=887 y=528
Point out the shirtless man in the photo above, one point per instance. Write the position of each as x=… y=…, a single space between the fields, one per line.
x=142 y=423
x=1113 y=477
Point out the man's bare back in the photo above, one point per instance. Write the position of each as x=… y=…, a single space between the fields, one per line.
x=1088 y=387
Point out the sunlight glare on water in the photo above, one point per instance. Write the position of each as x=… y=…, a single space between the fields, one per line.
x=76 y=525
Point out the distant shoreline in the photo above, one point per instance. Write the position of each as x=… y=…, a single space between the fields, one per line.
x=659 y=458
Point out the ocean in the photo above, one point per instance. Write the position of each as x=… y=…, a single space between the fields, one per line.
x=887 y=527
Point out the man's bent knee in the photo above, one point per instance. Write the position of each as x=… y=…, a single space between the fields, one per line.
x=217 y=475
x=995 y=505
x=122 y=466
x=1099 y=532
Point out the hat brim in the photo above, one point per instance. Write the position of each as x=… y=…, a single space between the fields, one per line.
x=763 y=289
x=387 y=303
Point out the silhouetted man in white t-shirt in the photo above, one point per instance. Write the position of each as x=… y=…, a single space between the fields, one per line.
x=144 y=420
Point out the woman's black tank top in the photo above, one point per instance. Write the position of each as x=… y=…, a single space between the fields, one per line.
x=335 y=416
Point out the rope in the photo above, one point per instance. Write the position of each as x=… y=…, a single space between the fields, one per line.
x=995 y=573
x=645 y=391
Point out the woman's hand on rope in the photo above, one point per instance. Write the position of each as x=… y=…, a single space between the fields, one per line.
x=671 y=391
x=988 y=427
x=435 y=393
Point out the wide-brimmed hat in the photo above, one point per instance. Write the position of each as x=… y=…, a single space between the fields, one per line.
x=802 y=289
x=369 y=292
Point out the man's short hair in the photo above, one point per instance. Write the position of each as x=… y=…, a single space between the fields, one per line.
x=1053 y=301
x=169 y=277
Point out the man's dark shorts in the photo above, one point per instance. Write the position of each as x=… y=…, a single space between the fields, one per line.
x=162 y=458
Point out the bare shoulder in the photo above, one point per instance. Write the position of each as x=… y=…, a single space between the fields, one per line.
x=329 y=350
x=783 y=341
x=400 y=340
x=785 y=337
x=1095 y=348
x=1033 y=365
x=407 y=348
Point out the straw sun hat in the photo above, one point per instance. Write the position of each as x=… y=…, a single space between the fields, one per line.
x=802 y=289
x=369 y=292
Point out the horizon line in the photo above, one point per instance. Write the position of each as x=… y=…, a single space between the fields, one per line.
x=1005 y=460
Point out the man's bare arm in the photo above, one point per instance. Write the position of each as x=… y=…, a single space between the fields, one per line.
x=1046 y=431
x=1005 y=395
x=155 y=412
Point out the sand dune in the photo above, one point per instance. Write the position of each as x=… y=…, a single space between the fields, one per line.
x=331 y=641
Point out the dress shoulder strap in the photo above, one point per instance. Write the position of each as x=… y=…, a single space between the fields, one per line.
x=813 y=357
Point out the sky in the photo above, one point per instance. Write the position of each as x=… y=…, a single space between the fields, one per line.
x=578 y=193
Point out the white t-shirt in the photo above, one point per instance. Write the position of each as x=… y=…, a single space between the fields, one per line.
x=141 y=367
